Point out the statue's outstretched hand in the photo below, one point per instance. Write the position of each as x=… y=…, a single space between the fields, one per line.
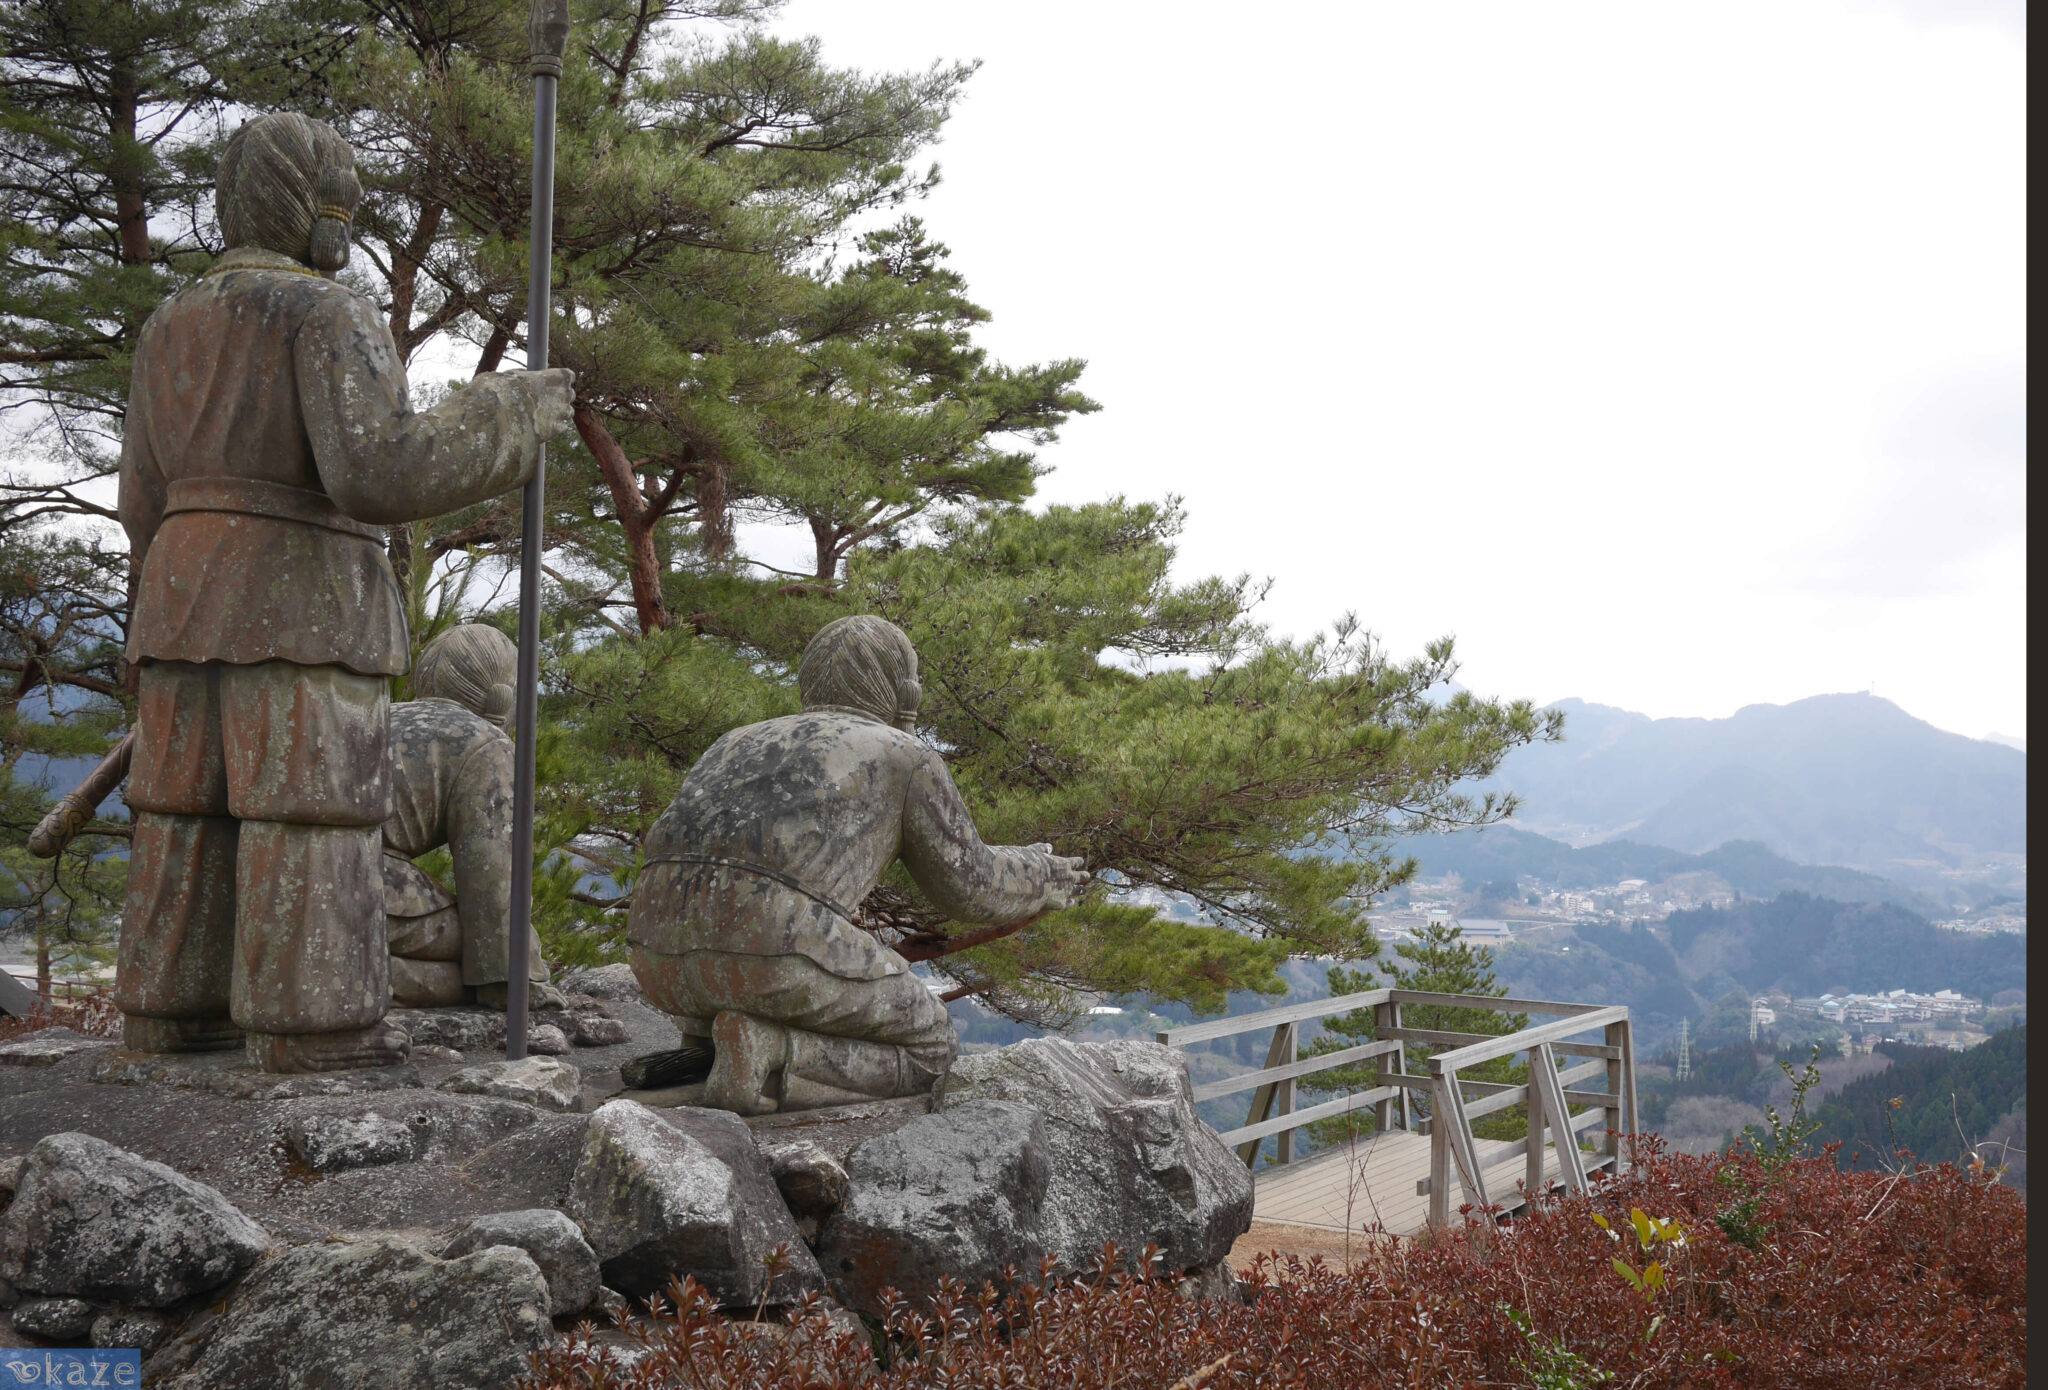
x=557 y=396
x=1069 y=878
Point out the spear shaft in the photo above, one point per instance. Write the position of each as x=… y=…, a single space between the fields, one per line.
x=548 y=41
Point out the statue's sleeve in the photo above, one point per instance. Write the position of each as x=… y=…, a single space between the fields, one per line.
x=480 y=843
x=143 y=489
x=379 y=459
x=966 y=879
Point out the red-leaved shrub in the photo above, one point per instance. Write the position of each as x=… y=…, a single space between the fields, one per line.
x=1792 y=1274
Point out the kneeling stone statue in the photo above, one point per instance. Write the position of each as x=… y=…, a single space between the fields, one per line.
x=741 y=924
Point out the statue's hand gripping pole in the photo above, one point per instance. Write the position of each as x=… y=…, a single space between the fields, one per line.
x=548 y=42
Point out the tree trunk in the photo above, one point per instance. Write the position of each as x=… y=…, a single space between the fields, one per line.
x=827 y=537
x=643 y=567
x=131 y=215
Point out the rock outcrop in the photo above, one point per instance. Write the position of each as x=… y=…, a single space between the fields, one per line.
x=554 y=1242
x=661 y=1194
x=92 y=1221
x=1131 y=1161
x=959 y=1194
x=374 y=1314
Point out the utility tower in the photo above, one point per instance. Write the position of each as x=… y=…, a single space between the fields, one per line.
x=1684 y=1049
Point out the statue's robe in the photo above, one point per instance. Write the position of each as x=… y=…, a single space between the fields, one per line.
x=451 y=784
x=752 y=874
x=268 y=435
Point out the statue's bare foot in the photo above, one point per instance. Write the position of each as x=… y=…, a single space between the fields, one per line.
x=750 y=1057
x=214 y=1034
x=352 y=1049
x=682 y=1066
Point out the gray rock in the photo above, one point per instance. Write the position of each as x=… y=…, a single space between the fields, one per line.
x=613 y=1304
x=8 y=1297
x=137 y=1327
x=810 y=1179
x=10 y=1177
x=1131 y=1160
x=55 y=1319
x=231 y=1074
x=662 y=1194
x=332 y=1143
x=546 y=1040
x=48 y=1046
x=959 y=1194
x=434 y=1054
x=375 y=1314
x=1211 y=1282
x=598 y=1030
x=464 y=1029
x=93 y=1221
x=555 y=1243
x=545 y=1082
x=602 y=981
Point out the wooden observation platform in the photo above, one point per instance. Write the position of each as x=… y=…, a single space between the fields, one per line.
x=1415 y=1169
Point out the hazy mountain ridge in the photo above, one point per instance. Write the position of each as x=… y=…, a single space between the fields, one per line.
x=1844 y=779
x=1750 y=868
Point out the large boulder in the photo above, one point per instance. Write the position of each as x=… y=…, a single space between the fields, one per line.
x=555 y=1243
x=662 y=1194
x=92 y=1221
x=960 y=1194
x=1131 y=1160
x=377 y=1315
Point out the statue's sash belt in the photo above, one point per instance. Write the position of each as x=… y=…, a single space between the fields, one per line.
x=275 y=501
x=746 y=866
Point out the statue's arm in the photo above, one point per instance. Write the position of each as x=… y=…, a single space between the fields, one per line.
x=143 y=489
x=966 y=879
x=382 y=461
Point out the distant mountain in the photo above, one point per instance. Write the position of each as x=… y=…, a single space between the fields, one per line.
x=2007 y=741
x=1502 y=852
x=1842 y=779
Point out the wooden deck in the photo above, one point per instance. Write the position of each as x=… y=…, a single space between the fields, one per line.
x=1314 y=1192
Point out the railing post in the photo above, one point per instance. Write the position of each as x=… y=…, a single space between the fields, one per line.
x=1283 y=1100
x=1439 y=1164
x=1382 y=1111
x=1532 y=1169
x=1265 y=1098
x=1401 y=1060
x=1621 y=1085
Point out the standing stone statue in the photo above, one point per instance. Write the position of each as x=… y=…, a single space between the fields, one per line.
x=741 y=922
x=268 y=436
x=451 y=784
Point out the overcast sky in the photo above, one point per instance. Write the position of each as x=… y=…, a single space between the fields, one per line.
x=1671 y=356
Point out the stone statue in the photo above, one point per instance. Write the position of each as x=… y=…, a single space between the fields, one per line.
x=741 y=920
x=268 y=436
x=451 y=784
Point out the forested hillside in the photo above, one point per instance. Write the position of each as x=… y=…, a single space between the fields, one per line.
x=1940 y=1105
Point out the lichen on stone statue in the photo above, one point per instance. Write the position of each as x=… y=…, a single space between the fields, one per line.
x=742 y=919
x=268 y=436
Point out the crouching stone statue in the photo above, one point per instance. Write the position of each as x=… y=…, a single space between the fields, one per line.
x=451 y=784
x=741 y=921
x=268 y=437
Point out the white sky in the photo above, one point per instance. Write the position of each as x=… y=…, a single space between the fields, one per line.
x=1668 y=355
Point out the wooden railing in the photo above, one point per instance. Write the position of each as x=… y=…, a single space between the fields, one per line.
x=1455 y=1100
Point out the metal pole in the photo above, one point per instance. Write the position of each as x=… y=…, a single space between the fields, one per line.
x=548 y=36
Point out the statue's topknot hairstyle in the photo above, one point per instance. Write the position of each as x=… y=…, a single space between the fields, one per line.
x=472 y=665
x=287 y=183
x=864 y=663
